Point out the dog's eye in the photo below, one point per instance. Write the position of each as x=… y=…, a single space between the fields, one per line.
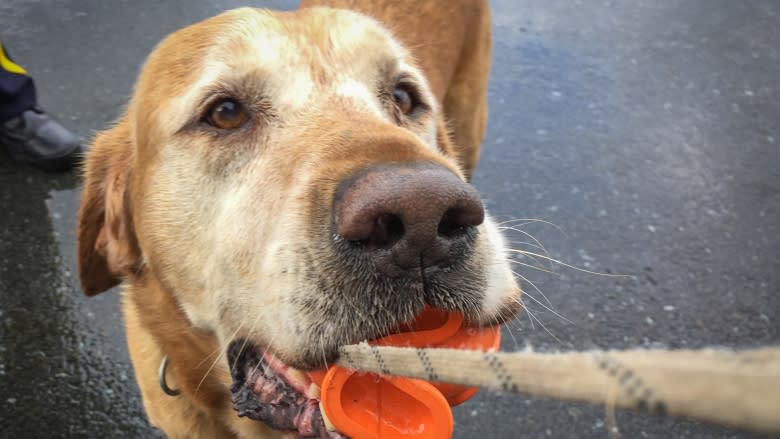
x=405 y=98
x=227 y=114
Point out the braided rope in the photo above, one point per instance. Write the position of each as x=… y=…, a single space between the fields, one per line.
x=740 y=389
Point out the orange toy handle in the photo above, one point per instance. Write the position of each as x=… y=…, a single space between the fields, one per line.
x=369 y=406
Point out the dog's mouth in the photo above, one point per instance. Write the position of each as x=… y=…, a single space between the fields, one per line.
x=267 y=390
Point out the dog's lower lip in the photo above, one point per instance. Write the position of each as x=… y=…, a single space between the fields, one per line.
x=267 y=390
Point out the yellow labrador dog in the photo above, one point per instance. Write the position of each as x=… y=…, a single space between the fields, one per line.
x=283 y=184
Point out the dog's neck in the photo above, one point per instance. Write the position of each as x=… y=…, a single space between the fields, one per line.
x=192 y=353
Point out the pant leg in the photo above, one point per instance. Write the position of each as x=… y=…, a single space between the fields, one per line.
x=17 y=90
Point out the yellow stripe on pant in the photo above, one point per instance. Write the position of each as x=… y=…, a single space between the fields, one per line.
x=8 y=65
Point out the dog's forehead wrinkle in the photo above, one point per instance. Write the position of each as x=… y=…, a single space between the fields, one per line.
x=340 y=29
x=297 y=68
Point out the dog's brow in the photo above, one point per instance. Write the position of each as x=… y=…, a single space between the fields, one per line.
x=249 y=87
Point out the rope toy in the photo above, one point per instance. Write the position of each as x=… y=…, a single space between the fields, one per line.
x=735 y=388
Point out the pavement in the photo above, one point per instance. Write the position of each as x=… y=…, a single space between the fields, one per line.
x=646 y=132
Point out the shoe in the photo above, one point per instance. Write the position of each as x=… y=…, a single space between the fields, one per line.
x=36 y=139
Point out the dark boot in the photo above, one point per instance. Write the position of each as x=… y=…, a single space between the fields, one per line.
x=38 y=140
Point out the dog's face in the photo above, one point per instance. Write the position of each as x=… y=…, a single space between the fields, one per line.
x=245 y=177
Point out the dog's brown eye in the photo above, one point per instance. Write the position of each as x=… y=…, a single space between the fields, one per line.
x=404 y=99
x=227 y=114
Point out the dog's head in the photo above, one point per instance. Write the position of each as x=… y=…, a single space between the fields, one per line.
x=288 y=179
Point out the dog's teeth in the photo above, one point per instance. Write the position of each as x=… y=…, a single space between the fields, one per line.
x=313 y=391
x=296 y=375
x=328 y=425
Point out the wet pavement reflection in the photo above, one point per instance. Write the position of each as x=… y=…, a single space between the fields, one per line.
x=647 y=132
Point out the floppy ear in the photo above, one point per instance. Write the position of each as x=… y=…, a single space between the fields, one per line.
x=446 y=144
x=107 y=245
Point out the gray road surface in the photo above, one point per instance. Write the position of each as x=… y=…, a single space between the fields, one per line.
x=647 y=131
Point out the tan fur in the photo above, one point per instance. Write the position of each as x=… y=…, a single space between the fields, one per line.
x=451 y=41
x=219 y=235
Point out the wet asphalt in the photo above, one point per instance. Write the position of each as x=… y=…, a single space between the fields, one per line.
x=647 y=132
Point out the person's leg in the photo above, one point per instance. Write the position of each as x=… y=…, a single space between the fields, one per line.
x=17 y=90
x=27 y=132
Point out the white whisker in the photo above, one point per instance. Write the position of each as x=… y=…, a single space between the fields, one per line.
x=564 y=264
x=532 y=266
x=532 y=285
x=541 y=324
x=220 y=352
x=528 y=244
x=549 y=309
x=524 y=221
x=538 y=243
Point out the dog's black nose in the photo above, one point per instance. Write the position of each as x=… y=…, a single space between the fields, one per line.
x=411 y=216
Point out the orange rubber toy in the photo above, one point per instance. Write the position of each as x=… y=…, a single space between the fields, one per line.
x=369 y=406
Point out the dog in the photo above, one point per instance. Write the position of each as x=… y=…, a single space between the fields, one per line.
x=285 y=183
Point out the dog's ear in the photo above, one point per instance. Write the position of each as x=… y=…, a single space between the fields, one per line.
x=107 y=246
x=447 y=145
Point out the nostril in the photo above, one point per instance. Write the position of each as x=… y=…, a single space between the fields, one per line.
x=388 y=230
x=410 y=209
x=450 y=227
x=457 y=221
